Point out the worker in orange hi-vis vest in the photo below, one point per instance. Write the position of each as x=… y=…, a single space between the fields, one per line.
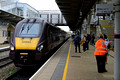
x=100 y=53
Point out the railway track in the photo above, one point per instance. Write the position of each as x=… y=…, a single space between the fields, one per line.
x=22 y=74
x=5 y=61
x=26 y=73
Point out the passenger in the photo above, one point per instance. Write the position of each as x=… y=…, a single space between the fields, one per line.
x=84 y=43
x=88 y=38
x=108 y=48
x=105 y=36
x=77 y=40
x=93 y=40
x=100 y=53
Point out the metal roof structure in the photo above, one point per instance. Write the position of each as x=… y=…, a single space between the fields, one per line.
x=10 y=17
x=75 y=11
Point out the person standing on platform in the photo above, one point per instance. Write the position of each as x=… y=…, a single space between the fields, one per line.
x=84 y=43
x=93 y=40
x=100 y=53
x=105 y=36
x=77 y=40
x=108 y=48
x=88 y=38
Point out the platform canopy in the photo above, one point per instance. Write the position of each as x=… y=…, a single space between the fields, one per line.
x=12 y=18
x=75 y=11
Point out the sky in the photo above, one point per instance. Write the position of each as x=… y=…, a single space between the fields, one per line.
x=44 y=5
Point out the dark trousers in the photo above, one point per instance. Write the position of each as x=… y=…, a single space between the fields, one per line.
x=87 y=45
x=93 y=42
x=77 y=45
x=101 y=62
x=84 y=46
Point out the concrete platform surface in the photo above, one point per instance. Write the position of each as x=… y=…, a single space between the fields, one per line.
x=4 y=45
x=81 y=66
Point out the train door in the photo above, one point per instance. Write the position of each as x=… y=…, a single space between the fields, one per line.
x=10 y=31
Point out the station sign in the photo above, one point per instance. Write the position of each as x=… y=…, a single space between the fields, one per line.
x=102 y=9
x=84 y=26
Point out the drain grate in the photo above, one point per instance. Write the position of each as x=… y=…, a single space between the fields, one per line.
x=76 y=56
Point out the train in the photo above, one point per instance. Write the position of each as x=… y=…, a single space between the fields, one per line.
x=33 y=39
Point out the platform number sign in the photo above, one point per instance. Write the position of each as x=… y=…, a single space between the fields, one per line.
x=102 y=9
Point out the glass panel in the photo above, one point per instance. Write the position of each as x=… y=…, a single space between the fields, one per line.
x=29 y=30
x=54 y=15
x=44 y=16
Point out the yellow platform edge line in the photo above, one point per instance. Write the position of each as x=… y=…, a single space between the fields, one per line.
x=107 y=26
x=66 y=66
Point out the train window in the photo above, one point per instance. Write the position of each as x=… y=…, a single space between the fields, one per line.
x=30 y=30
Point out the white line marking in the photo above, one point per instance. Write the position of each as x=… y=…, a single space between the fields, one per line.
x=4 y=47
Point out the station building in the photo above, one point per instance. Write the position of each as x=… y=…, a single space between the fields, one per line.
x=20 y=9
x=14 y=7
x=52 y=16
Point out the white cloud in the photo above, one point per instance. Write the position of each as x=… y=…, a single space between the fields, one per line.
x=42 y=4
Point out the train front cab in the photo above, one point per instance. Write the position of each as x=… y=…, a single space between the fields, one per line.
x=26 y=46
x=33 y=39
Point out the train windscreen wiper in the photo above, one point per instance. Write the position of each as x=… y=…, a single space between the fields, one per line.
x=23 y=27
x=29 y=27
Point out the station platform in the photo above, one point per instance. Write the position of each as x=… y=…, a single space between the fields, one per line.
x=65 y=64
x=4 y=46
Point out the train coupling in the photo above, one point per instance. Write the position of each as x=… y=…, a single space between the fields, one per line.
x=24 y=59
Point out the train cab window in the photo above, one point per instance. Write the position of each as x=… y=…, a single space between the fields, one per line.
x=30 y=30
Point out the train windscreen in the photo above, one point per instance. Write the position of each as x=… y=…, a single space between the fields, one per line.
x=29 y=30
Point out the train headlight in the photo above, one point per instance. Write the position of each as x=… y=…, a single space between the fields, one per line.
x=40 y=48
x=11 y=48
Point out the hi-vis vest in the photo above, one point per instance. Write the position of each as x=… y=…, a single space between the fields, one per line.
x=101 y=49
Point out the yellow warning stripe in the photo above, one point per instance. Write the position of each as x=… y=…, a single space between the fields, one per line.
x=107 y=26
x=111 y=36
x=66 y=66
x=102 y=20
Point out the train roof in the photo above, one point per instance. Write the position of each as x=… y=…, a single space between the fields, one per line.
x=33 y=20
x=37 y=19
